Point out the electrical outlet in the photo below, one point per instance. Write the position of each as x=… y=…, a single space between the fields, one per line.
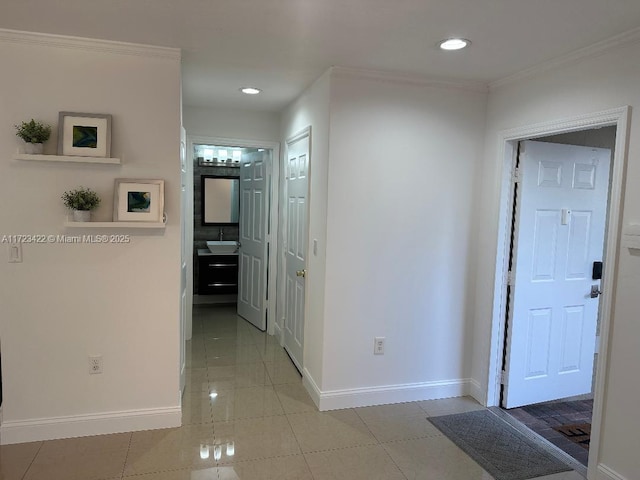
x=378 y=346
x=95 y=364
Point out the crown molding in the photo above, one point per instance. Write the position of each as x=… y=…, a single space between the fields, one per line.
x=407 y=79
x=626 y=38
x=88 y=44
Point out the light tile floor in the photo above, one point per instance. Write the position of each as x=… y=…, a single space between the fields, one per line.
x=261 y=425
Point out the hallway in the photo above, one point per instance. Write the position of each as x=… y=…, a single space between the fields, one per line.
x=247 y=416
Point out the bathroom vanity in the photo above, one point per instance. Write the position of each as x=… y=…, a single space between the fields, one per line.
x=217 y=273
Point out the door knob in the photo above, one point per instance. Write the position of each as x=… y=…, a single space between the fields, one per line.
x=595 y=291
x=301 y=273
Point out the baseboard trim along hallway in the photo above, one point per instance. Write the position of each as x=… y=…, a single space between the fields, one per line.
x=21 y=431
x=367 y=396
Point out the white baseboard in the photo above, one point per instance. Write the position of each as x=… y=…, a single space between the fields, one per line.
x=477 y=392
x=367 y=396
x=214 y=299
x=605 y=473
x=312 y=387
x=21 y=431
x=277 y=331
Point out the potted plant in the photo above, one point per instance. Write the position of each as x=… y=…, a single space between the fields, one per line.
x=34 y=135
x=81 y=200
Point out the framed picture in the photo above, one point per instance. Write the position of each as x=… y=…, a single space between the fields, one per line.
x=84 y=134
x=138 y=200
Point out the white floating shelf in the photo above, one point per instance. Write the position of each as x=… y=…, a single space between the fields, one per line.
x=65 y=158
x=118 y=225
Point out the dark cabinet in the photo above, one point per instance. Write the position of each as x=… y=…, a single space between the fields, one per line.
x=217 y=274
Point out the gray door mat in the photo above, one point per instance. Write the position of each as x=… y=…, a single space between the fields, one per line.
x=497 y=447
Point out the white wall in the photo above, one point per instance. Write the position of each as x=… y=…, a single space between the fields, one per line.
x=68 y=301
x=596 y=84
x=402 y=169
x=240 y=124
x=312 y=109
x=393 y=179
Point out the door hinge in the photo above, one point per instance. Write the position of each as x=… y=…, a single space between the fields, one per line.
x=510 y=278
x=516 y=175
x=503 y=377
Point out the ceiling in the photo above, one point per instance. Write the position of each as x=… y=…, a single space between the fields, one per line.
x=281 y=46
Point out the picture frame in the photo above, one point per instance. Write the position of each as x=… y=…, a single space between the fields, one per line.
x=84 y=134
x=138 y=200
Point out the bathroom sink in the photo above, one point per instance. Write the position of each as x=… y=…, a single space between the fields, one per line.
x=222 y=247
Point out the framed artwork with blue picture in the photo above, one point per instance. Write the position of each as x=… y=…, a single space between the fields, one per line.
x=138 y=200
x=84 y=134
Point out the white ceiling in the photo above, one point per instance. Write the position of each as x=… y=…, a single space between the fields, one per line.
x=281 y=46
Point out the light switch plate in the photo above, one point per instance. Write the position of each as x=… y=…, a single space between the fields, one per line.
x=15 y=253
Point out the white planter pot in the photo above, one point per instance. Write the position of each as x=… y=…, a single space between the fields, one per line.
x=33 y=148
x=81 y=216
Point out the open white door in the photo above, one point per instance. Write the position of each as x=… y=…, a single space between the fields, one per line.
x=252 y=284
x=297 y=185
x=559 y=234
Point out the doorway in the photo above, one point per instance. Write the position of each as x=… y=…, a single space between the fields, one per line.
x=504 y=300
x=556 y=257
x=234 y=212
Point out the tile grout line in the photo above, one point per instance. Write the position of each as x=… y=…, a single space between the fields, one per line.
x=262 y=361
x=304 y=457
x=126 y=457
x=236 y=388
x=299 y=446
x=206 y=365
x=380 y=444
x=24 y=475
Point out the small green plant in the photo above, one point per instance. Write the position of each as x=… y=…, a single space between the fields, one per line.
x=33 y=132
x=81 y=199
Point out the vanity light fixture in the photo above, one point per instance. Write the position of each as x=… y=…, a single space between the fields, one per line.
x=454 y=44
x=250 y=90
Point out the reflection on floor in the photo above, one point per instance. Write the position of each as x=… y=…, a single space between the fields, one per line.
x=246 y=416
x=566 y=424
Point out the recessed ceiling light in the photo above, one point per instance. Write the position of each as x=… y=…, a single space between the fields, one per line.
x=454 y=44
x=250 y=90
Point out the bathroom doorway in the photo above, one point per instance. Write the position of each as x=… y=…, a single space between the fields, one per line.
x=234 y=212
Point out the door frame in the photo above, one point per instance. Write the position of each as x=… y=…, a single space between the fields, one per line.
x=274 y=170
x=507 y=152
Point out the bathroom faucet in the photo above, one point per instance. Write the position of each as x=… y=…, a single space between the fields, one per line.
x=220 y=235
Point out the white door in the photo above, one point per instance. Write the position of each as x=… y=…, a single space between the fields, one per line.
x=252 y=282
x=297 y=185
x=185 y=257
x=559 y=233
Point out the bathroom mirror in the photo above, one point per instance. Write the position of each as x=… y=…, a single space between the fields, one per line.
x=220 y=200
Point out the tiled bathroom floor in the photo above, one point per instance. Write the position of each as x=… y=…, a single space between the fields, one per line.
x=259 y=424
